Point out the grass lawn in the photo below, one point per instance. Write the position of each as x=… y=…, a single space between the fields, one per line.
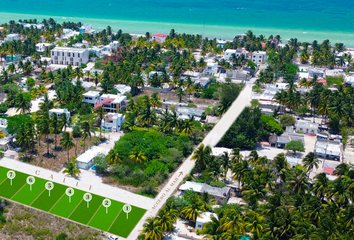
x=63 y=208
x=7 y=190
x=3 y=173
x=45 y=202
x=82 y=213
x=102 y=219
x=123 y=226
x=26 y=196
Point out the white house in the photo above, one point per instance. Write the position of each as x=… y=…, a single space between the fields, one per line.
x=211 y=68
x=159 y=37
x=113 y=122
x=41 y=47
x=87 y=28
x=221 y=43
x=122 y=89
x=205 y=218
x=238 y=52
x=86 y=159
x=152 y=73
x=12 y=37
x=23 y=82
x=306 y=127
x=112 y=103
x=91 y=97
x=228 y=53
x=59 y=112
x=66 y=56
x=259 y=57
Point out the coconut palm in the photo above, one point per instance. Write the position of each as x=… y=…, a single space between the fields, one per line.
x=100 y=112
x=23 y=137
x=23 y=102
x=241 y=170
x=191 y=210
x=165 y=220
x=113 y=157
x=201 y=156
x=54 y=127
x=152 y=229
x=180 y=93
x=86 y=131
x=66 y=142
x=254 y=223
x=71 y=169
x=310 y=161
x=137 y=155
x=43 y=125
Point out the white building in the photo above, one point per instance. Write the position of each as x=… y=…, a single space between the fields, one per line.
x=91 y=97
x=211 y=68
x=238 y=52
x=86 y=159
x=113 y=122
x=112 y=103
x=306 y=127
x=159 y=37
x=59 y=112
x=23 y=82
x=122 y=89
x=12 y=37
x=66 y=56
x=259 y=57
x=152 y=73
x=3 y=125
x=205 y=218
x=41 y=47
x=87 y=28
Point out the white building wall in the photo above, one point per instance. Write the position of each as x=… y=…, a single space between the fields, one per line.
x=66 y=56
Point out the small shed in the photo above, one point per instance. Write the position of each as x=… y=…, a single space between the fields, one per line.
x=85 y=160
x=205 y=218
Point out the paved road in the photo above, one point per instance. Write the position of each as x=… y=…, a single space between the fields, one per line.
x=211 y=139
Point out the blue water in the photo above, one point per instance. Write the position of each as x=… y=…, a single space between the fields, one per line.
x=306 y=20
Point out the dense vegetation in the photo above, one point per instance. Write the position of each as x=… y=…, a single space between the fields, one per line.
x=249 y=128
x=280 y=203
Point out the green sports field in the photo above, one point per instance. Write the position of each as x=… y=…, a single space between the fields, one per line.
x=111 y=219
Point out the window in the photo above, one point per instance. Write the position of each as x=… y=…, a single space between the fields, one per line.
x=259 y=61
x=58 y=53
x=260 y=56
x=68 y=54
x=199 y=226
x=62 y=54
x=78 y=55
x=73 y=54
x=52 y=53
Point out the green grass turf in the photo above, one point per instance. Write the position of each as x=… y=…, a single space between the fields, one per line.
x=63 y=208
x=83 y=214
x=45 y=202
x=3 y=173
x=26 y=196
x=7 y=190
x=123 y=226
x=103 y=220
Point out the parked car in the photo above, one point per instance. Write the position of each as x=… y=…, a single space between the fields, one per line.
x=112 y=237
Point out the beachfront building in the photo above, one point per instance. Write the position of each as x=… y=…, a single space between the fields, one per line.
x=85 y=160
x=41 y=47
x=66 y=56
x=158 y=37
x=112 y=122
x=12 y=37
x=91 y=97
x=87 y=28
x=221 y=43
x=59 y=112
x=259 y=57
x=112 y=102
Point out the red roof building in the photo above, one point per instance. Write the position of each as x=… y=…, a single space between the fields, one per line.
x=159 y=37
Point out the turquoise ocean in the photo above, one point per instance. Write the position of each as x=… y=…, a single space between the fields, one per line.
x=306 y=20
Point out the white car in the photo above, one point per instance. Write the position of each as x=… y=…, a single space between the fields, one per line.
x=112 y=237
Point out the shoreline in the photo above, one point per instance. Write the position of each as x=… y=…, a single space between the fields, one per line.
x=210 y=31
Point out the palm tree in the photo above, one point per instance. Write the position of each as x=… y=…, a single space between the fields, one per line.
x=281 y=166
x=233 y=221
x=86 y=132
x=187 y=126
x=43 y=125
x=191 y=210
x=66 y=142
x=165 y=220
x=100 y=112
x=241 y=170
x=254 y=223
x=137 y=155
x=152 y=229
x=212 y=229
x=155 y=101
x=321 y=185
x=236 y=156
x=310 y=161
x=23 y=102
x=113 y=157
x=180 y=93
x=201 y=156
x=23 y=137
x=63 y=122
x=54 y=127
x=225 y=160
x=71 y=169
